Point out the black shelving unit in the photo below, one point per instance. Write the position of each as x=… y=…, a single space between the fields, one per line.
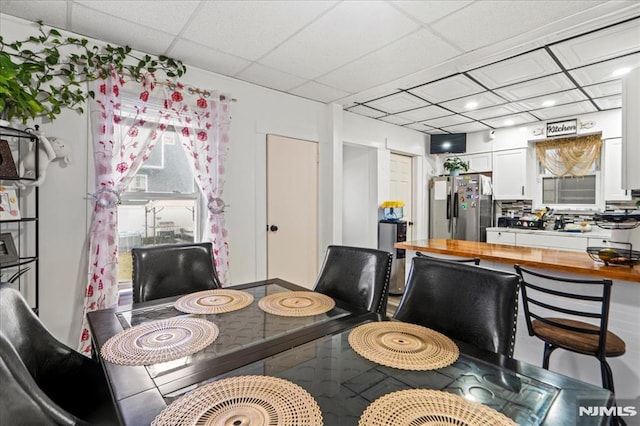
x=25 y=231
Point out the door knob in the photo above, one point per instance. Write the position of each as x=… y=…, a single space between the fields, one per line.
x=273 y=228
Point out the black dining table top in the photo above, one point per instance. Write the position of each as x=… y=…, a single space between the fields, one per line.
x=314 y=353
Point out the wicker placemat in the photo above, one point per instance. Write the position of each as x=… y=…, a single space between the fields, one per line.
x=159 y=341
x=243 y=401
x=216 y=301
x=404 y=346
x=296 y=303
x=430 y=408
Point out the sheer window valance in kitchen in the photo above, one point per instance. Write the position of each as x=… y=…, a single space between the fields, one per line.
x=573 y=156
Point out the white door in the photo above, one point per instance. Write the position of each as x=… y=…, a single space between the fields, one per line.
x=401 y=173
x=292 y=210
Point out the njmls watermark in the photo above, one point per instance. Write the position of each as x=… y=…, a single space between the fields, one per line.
x=628 y=409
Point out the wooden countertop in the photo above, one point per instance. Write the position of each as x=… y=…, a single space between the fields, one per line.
x=558 y=260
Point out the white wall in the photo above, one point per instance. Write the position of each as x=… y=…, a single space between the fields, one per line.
x=65 y=212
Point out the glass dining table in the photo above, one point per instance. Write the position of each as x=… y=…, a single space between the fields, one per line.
x=314 y=353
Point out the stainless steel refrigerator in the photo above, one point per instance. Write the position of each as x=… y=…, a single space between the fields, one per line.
x=460 y=207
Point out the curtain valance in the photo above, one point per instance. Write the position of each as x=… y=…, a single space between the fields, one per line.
x=573 y=156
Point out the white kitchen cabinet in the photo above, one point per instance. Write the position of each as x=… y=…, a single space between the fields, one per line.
x=510 y=174
x=613 y=190
x=480 y=162
x=501 y=237
x=560 y=242
x=631 y=130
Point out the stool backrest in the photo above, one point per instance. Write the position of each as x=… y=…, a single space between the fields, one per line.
x=474 y=260
x=465 y=302
x=546 y=297
x=356 y=275
x=171 y=270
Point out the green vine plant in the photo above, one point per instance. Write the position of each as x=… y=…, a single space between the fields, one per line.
x=44 y=73
x=456 y=163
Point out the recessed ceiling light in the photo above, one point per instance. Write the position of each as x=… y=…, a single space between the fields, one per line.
x=548 y=103
x=471 y=105
x=509 y=122
x=621 y=71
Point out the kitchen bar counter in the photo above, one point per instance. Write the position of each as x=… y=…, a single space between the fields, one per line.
x=558 y=260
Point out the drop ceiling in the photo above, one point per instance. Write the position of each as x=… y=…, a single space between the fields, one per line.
x=432 y=66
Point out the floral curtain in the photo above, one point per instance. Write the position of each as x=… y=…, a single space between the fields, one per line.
x=573 y=156
x=124 y=133
x=202 y=120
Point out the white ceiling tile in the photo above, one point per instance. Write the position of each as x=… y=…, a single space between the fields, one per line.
x=486 y=22
x=366 y=111
x=538 y=87
x=397 y=102
x=347 y=32
x=53 y=12
x=394 y=119
x=251 y=29
x=510 y=120
x=560 y=98
x=604 y=89
x=119 y=31
x=268 y=77
x=420 y=127
x=410 y=54
x=448 y=88
x=449 y=120
x=167 y=16
x=565 y=110
x=422 y=114
x=496 y=111
x=483 y=100
x=609 y=102
x=524 y=67
x=319 y=92
x=600 y=45
x=466 y=128
x=603 y=71
x=432 y=10
x=208 y=59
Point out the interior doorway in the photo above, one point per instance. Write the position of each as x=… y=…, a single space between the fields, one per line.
x=401 y=186
x=292 y=210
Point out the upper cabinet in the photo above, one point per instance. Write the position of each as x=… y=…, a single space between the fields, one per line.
x=613 y=190
x=510 y=174
x=631 y=130
x=480 y=162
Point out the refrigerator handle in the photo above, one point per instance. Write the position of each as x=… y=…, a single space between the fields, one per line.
x=448 y=206
x=455 y=205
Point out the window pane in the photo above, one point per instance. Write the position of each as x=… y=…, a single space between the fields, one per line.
x=569 y=190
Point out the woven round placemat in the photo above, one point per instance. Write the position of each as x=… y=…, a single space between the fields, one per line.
x=430 y=408
x=216 y=301
x=243 y=401
x=159 y=341
x=296 y=303
x=404 y=346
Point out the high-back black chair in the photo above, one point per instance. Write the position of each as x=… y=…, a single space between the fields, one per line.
x=474 y=260
x=469 y=303
x=55 y=384
x=356 y=275
x=547 y=308
x=172 y=270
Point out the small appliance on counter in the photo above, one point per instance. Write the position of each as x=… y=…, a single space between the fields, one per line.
x=393 y=210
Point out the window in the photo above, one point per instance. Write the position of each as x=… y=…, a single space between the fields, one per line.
x=161 y=205
x=569 y=190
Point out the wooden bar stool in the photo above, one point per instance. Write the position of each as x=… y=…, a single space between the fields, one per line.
x=544 y=295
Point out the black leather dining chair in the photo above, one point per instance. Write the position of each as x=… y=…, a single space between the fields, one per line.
x=356 y=275
x=171 y=270
x=474 y=260
x=469 y=303
x=581 y=328
x=43 y=380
